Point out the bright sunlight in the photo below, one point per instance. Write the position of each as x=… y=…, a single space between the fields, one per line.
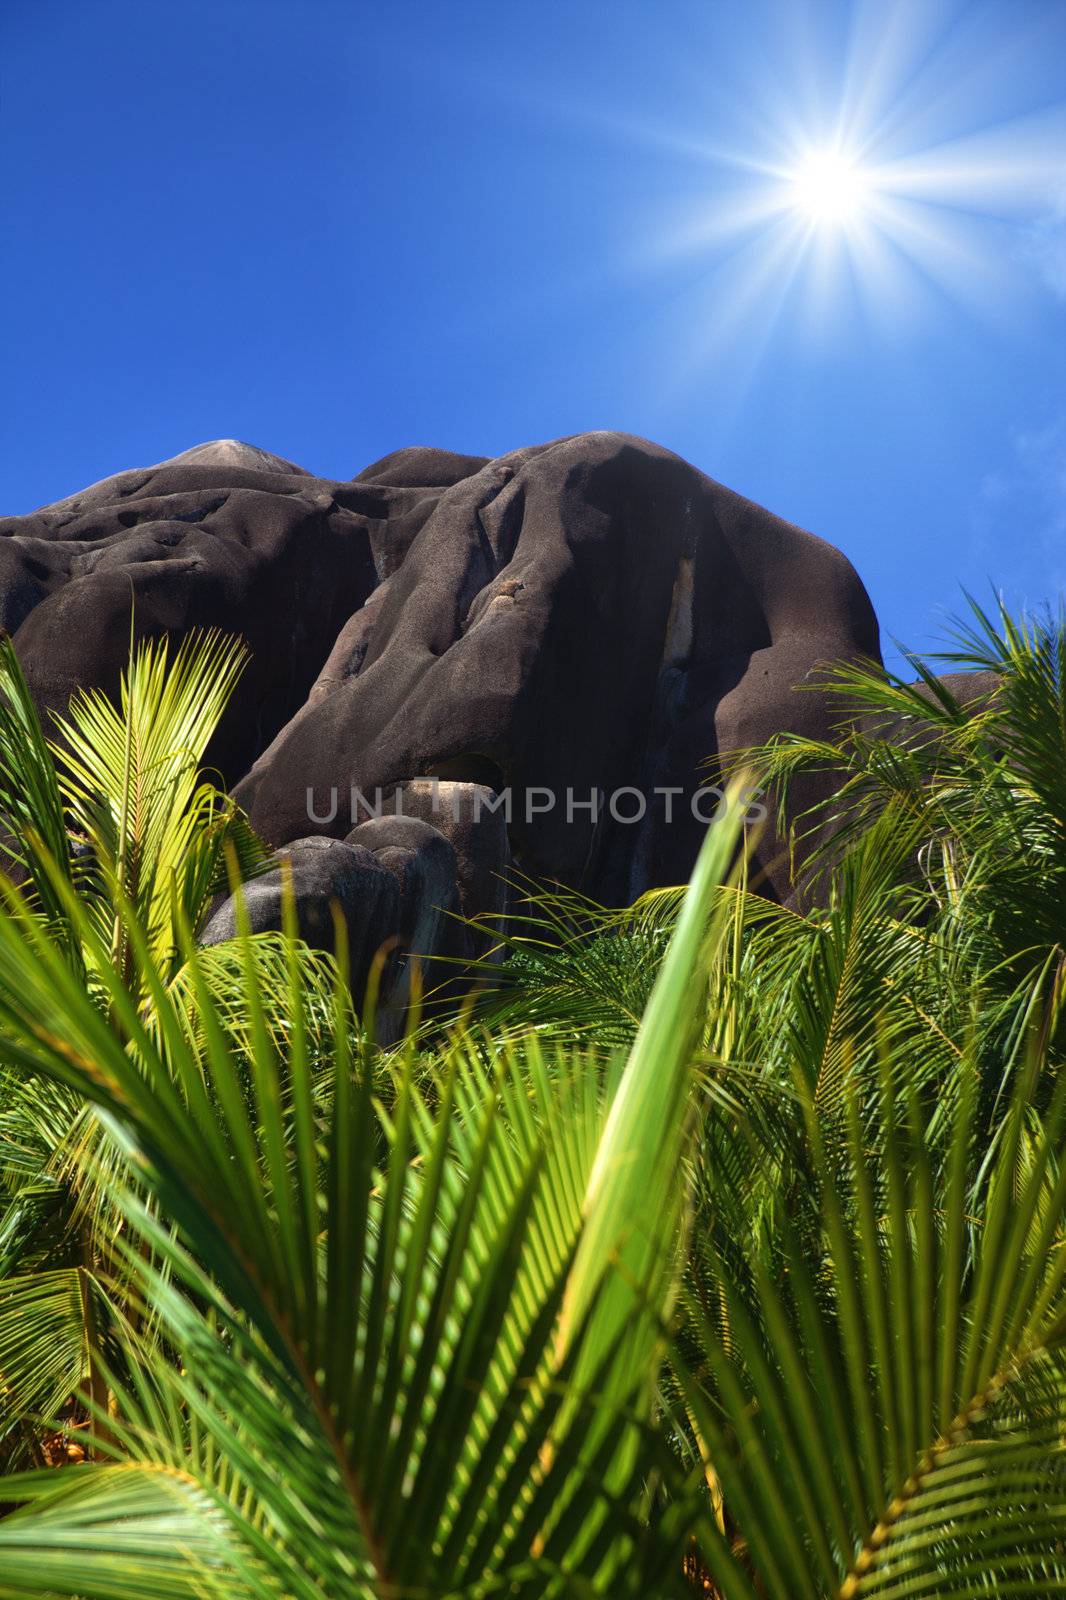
x=830 y=187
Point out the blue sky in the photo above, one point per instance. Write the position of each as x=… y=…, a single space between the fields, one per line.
x=335 y=229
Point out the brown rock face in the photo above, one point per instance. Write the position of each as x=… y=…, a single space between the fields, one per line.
x=575 y=630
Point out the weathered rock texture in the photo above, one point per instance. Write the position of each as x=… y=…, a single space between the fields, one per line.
x=574 y=619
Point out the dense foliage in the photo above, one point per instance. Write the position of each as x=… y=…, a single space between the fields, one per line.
x=720 y=1249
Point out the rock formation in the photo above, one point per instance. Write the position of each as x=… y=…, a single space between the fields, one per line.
x=569 y=638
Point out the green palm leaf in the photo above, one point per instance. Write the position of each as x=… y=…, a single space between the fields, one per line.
x=887 y=1414
x=441 y=1311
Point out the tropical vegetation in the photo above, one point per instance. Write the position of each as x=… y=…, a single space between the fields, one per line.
x=717 y=1246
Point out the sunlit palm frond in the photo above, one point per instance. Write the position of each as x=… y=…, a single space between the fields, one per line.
x=130 y=775
x=439 y=1313
x=34 y=843
x=983 y=777
x=113 y=807
x=886 y=1416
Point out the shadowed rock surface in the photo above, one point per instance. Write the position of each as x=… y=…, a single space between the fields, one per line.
x=323 y=872
x=575 y=619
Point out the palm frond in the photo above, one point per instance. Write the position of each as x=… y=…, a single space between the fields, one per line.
x=886 y=1417
x=445 y=1341
x=131 y=782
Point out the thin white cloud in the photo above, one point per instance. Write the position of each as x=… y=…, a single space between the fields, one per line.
x=1044 y=245
x=1043 y=457
x=1018 y=529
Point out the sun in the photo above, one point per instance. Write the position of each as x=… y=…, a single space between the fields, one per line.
x=828 y=187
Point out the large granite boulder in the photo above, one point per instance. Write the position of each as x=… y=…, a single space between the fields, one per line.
x=224 y=536
x=567 y=622
x=571 y=638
